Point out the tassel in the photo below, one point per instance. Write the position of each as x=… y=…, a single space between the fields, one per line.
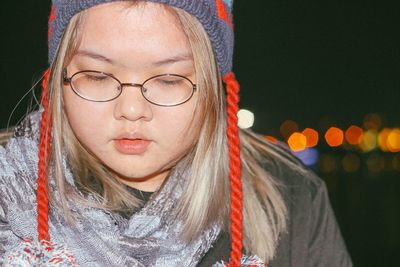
x=44 y=253
x=236 y=202
x=252 y=261
x=44 y=152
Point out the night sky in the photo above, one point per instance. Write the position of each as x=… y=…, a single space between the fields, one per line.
x=306 y=60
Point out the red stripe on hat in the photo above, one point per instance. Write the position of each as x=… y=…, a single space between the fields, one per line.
x=222 y=13
x=52 y=17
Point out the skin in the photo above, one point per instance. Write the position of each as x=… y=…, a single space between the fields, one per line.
x=133 y=44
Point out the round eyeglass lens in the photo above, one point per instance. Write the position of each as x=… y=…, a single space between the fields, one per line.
x=95 y=86
x=168 y=90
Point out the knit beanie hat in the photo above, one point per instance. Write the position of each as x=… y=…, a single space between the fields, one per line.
x=216 y=18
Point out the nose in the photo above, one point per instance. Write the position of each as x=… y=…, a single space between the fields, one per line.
x=131 y=105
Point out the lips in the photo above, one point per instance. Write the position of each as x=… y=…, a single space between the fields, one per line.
x=131 y=144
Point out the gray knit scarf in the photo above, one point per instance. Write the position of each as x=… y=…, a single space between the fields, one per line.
x=99 y=238
x=152 y=237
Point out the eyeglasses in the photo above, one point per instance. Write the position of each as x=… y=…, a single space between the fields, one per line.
x=165 y=90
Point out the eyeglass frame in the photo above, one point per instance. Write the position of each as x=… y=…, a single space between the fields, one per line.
x=69 y=81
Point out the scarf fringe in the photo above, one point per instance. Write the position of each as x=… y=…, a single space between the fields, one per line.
x=43 y=254
x=48 y=254
x=246 y=261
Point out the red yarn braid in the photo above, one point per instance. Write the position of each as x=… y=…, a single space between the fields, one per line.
x=44 y=152
x=42 y=197
x=232 y=88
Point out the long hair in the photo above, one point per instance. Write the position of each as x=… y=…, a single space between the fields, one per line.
x=206 y=196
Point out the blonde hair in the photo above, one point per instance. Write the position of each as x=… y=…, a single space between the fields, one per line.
x=206 y=196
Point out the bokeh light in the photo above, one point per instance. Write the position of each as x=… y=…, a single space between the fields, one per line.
x=297 y=141
x=372 y=121
x=245 y=118
x=375 y=163
x=327 y=163
x=354 y=135
x=311 y=137
x=288 y=127
x=351 y=163
x=382 y=139
x=271 y=139
x=393 y=140
x=369 y=141
x=334 y=137
x=308 y=156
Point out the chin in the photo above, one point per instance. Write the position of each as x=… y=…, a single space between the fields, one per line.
x=138 y=175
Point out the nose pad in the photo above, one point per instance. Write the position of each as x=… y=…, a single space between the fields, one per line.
x=131 y=104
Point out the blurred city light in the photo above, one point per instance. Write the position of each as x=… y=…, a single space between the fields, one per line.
x=308 y=156
x=383 y=138
x=327 y=163
x=271 y=139
x=287 y=128
x=304 y=145
x=245 y=119
x=375 y=163
x=393 y=140
x=354 y=135
x=311 y=137
x=334 y=137
x=372 y=121
x=351 y=163
x=369 y=141
x=297 y=142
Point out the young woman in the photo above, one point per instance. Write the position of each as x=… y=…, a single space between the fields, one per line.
x=135 y=158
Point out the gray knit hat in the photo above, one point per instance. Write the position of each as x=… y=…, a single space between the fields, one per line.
x=214 y=15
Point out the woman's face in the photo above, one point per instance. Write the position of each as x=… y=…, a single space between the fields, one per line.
x=138 y=140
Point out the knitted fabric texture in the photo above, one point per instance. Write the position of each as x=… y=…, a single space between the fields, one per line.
x=98 y=238
x=214 y=15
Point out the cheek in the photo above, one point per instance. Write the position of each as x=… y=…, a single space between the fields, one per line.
x=178 y=127
x=87 y=119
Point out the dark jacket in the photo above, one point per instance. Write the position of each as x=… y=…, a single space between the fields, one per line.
x=313 y=237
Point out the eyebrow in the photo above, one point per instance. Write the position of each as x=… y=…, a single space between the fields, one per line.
x=170 y=60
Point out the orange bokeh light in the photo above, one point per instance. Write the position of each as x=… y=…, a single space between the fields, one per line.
x=288 y=127
x=297 y=142
x=372 y=121
x=383 y=138
x=393 y=141
x=311 y=136
x=354 y=135
x=271 y=139
x=334 y=137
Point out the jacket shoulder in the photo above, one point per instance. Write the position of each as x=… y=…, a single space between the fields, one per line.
x=289 y=171
x=313 y=237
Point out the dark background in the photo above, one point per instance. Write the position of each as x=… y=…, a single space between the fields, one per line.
x=319 y=63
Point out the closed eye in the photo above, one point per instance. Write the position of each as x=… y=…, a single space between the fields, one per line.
x=96 y=78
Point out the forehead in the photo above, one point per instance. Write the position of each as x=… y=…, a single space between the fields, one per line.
x=125 y=31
